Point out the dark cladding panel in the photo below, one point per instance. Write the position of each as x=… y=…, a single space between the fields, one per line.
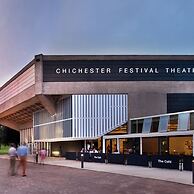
x=118 y=70
x=36 y=133
x=67 y=128
x=177 y=102
x=67 y=108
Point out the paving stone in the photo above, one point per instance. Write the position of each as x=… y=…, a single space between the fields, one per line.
x=47 y=179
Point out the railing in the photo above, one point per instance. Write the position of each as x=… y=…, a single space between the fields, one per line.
x=157 y=161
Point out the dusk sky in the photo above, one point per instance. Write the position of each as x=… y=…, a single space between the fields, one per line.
x=30 y=27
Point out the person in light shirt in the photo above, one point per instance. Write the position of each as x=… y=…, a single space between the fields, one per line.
x=12 y=155
x=22 y=153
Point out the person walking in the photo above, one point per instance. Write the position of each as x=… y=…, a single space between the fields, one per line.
x=35 y=154
x=22 y=153
x=42 y=155
x=12 y=155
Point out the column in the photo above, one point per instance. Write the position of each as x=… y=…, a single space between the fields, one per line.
x=118 y=145
x=141 y=146
x=103 y=145
x=193 y=145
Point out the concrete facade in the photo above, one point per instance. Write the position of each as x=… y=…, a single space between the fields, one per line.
x=27 y=96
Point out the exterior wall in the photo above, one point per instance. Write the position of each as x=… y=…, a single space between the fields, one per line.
x=18 y=102
x=22 y=82
x=54 y=88
x=144 y=97
x=141 y=94
x=146 y=104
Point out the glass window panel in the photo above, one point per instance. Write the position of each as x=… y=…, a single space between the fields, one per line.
x=155 y=124
x=163 y=124
x=150 y=146
x=140 y=125
x=173 y=123
x=133 y=126
x=192 y=121
x=147 y=125
x=163 y=145
x=183 y=121
x=120 y=130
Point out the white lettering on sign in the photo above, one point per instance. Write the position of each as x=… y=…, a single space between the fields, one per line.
x=85 y=70
x=97 y=157
x=165 y=161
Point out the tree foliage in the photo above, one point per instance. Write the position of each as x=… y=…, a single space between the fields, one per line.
x=8 y=136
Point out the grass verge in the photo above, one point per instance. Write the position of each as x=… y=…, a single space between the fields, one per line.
x=4 y=149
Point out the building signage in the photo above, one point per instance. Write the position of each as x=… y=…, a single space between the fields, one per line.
x=165 y=161
x=98 y=157
x=118 y=70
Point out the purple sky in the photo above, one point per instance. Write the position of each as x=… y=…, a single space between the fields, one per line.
x=30 y=27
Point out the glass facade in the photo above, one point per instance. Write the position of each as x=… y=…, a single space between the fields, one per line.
x=165 y=123
x=83 y=116
x=175 y=145
x=56 y=126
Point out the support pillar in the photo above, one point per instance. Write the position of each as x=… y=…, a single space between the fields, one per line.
x=141 y=146
x=118 y=145
x=103 y=145
x=193 y=145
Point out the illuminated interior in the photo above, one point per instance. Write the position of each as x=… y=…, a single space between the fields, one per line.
x=180 y=145
x=168 y=145
x=123 y=129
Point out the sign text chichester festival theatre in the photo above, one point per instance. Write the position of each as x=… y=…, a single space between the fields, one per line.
x=121 y=70
x=69 y=71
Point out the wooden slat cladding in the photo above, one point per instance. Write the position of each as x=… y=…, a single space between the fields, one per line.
x=25 y=80
x=25 y=114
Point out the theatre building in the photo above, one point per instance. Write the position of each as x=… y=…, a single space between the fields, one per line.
x=131 y=107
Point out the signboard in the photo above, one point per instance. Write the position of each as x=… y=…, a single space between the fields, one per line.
x=167 y=161
x=118 y=70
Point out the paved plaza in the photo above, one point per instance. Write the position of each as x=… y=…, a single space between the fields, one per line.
x=59 y=179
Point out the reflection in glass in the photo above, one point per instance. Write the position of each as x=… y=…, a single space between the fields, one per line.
x=147 y=125
x=183 y=121
x=163 y=124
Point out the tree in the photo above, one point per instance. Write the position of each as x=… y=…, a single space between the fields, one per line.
x=8 y=136
x=2 y=135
